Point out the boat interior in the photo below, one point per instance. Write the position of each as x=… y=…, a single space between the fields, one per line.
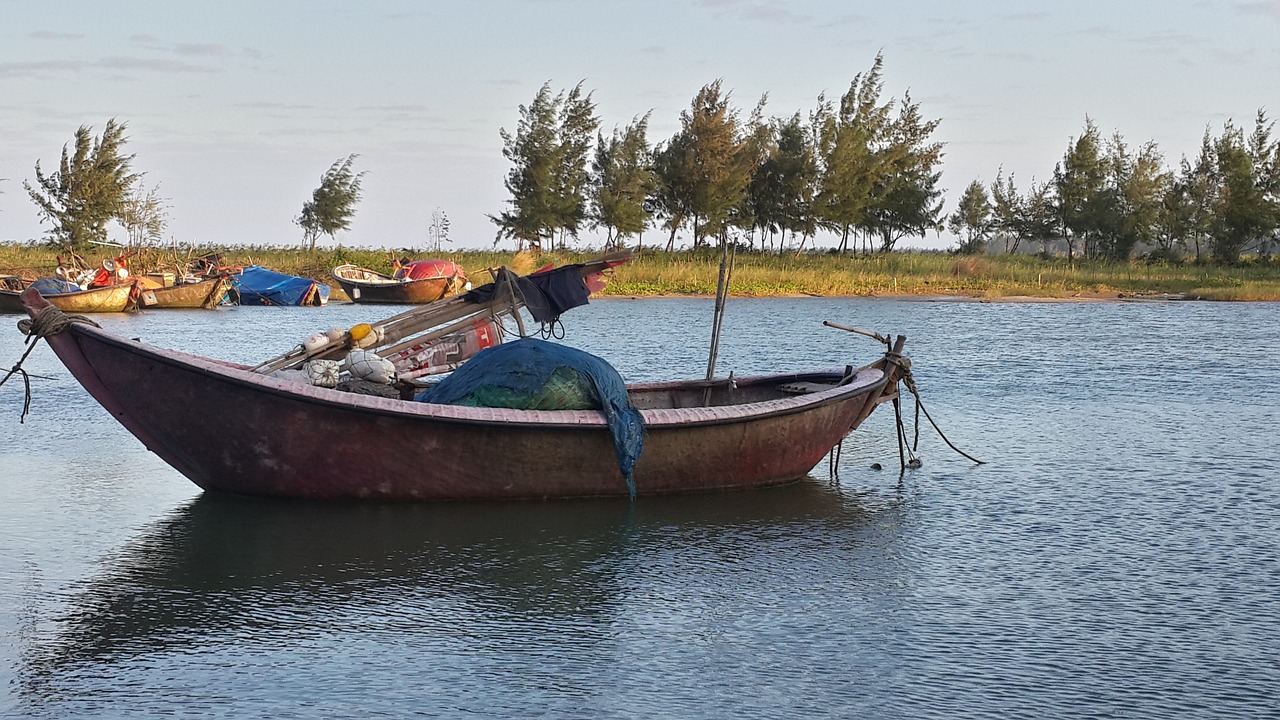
x=730 y=391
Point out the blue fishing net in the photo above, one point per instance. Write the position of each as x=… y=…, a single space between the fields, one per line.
x=532 y=374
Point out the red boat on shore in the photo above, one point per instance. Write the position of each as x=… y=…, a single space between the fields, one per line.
x=413 y=283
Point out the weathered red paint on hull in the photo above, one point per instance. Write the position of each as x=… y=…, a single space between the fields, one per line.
x=232 y=430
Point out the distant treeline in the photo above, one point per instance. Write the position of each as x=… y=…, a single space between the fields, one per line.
x=857 y=167
x=1105 y=199
x=864 y=168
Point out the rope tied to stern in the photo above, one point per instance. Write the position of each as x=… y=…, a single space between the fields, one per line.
x=47 y=321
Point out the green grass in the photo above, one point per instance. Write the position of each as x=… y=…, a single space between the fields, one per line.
x=653 y=273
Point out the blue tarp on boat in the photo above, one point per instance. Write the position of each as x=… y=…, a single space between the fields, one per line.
x=256 y=285
x=53 y=286
x=532 y=374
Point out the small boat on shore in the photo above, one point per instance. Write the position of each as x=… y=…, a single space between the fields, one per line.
x=202 y=294
x=414 y=283
x=256 y=285
x=68 y=297
x=276 y=436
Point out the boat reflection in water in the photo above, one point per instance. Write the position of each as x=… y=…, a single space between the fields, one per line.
x=227 y=569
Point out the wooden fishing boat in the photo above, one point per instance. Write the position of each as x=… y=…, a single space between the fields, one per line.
x=205 y=294
x=415 y=283
x=120 y=297
x=277 y=437
x=255 y=285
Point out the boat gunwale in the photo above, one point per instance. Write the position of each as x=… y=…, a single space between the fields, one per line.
x=868 y=380
x=100 y=291
x=380 y=284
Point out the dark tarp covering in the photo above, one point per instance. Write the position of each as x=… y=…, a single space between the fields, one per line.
x=545 y=294
x=531 y=374
x=257 y=285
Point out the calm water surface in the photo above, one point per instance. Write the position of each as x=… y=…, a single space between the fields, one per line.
x=1119 y=556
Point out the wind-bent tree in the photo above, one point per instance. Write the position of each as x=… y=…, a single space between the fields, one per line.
x=143 y=216
x=1038 y=219
x=1176 y=215
x=333 y=203
x=1016 y=217
x=1246 y=206
x=674 y=169
x=89 y=188
x=1264 y=150
x=781 y=190
x=623 y=178
x=531 y=150
x=1140 y=186
x=1007 y=211
x=849 y=145
x=907 y=201
x=1202 y=187
x=577 y=128
x=971 y=220
x=757 y=144
x=548 y=180
x=704 y=170
x=1078 y=181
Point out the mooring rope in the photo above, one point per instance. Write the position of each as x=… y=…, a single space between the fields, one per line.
x=908 y=380
x=47 y=321
x=906 y=454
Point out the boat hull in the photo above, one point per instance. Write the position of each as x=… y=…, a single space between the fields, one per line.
x=257 y=435
x=392 y=291
x=111 y=298
x=204 y=294
x=256 y=285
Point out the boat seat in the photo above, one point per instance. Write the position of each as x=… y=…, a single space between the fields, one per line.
x=804 y=388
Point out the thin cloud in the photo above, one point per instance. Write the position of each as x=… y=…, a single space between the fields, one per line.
x=846 y=21
x=1266 y=9
x=272 y=106
x=42 y=68
x=755 y=10
x=211 y=50
x=1027 y=16
x=151 y=64
x=392 y=108
x=202 y=49
x=51 y=35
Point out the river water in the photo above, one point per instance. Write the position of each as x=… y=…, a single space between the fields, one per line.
x=1117 y=556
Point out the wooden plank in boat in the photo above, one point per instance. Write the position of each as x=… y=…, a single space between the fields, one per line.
x=804 y=388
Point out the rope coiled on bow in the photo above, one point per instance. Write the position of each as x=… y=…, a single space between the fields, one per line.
x=47 y=321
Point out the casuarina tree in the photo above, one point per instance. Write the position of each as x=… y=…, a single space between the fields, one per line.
x=88 y=190
x=333 y=203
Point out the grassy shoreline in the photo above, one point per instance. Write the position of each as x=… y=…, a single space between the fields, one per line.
x=655 y=273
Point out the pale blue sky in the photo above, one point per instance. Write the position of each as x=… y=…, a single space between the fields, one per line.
x=236 y=108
